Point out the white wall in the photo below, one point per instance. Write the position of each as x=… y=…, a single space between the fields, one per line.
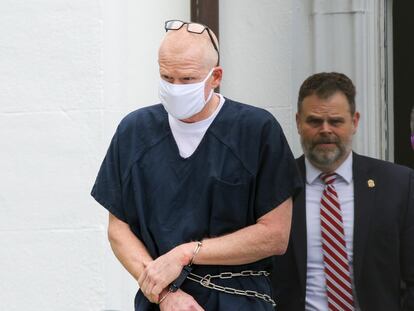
x=68 y=71
x=51 y=240
x=256 y=47
x=132 y=33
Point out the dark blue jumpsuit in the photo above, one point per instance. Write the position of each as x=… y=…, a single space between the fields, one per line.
x=242 y=169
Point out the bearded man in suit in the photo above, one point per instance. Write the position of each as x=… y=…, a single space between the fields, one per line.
x=352 y=238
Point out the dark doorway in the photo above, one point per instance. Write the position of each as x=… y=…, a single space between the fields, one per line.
x=403 y=27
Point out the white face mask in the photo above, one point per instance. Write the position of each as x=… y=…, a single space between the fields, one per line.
x=183 y=100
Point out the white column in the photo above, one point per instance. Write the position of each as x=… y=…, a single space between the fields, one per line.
x=349 y=38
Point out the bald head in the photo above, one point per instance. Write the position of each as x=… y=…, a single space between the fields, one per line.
x=181 y=45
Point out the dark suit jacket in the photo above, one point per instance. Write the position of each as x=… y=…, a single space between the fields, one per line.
x=383 y=241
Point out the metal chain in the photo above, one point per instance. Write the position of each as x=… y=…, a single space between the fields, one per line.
x=206 y=282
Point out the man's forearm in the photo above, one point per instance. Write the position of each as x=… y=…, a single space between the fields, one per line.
x=129 y=250
x=268 y=237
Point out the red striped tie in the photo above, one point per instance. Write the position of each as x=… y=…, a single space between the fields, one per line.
x=335 y=257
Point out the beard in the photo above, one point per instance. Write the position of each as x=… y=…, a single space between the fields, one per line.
x=324 y=156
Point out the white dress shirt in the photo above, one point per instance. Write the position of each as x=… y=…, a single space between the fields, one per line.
x=316 y=298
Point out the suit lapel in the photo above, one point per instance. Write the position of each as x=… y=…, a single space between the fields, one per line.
x=298 y=232
x=363 y=210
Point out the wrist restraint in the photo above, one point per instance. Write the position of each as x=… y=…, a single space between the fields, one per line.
x=206 y=281
x=174 y=286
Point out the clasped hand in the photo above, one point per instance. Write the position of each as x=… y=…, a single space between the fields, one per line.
x=180 y=301
x=159 y=273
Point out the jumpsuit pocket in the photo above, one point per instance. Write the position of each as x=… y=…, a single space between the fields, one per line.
x=229 y=207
